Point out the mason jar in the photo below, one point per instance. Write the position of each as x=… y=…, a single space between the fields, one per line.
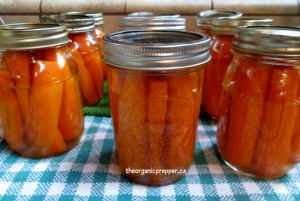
x=155 y=86
x=223 y=31
x=99 y=31
x=85 y=49
x=152 y=21
x=258 y=128
x=205 y=18
x=40 y=101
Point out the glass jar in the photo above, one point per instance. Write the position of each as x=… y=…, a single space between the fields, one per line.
x=1 y=129
x=85 y=49
x=258 y=129
x=99 y=31
x=204 y=19
x=152 y=21
x=223 y=35
x=155 y=86
x=40 y=102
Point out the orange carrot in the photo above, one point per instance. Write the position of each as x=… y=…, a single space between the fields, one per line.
x=85 y=42
x=157 y=107
x=274 y=141
x=294 y=156
x=180 y=124
x=19 y=65
x=88 y=90
x=92 y=62
x=246 y=111
x=214 y=74
x=115 y=83
x=71 y=114
x=99 y=34
x=46 y=98
x=10 y=110
x=133 y=127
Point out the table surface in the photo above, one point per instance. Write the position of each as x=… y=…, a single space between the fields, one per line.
x=90 y=172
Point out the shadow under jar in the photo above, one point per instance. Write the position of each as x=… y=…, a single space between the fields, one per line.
x=258 y=128
x=155 y=86
x=40 y=101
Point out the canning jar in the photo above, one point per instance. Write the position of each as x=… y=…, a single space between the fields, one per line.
x=155 y=85
x=258 y=130
x=85 y=49
x=40 y=101
x=99 y=31
x=152 y=21
x=204 y=19
x=223 y=35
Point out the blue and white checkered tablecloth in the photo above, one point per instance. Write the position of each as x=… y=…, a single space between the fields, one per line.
x=90 y=172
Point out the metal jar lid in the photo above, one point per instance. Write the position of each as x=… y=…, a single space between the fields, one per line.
x=151 y=14
x=98 y=17
x=204 y=19
x=156 y=50
x=26 y=36
x=74 y=23
x=227 y=26
x=274 y=40
x=152 y=22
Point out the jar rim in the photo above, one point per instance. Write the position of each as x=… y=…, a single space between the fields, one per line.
x=269 y=40
x=204 y=18
x=22 y=36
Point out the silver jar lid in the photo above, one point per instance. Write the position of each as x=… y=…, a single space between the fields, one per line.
x=74 y=23
x=156 y=50
x=277 y=40
x=152 y=22
x=227 y=26
x=98 y=17
x=204 y=19
x=24 y=36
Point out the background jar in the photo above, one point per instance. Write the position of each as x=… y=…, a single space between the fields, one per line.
x=85 y=49
x=99 y=31
x=204 y=19
x=223 y=31
x=258 y=130
x=152 y=21
x=155 y=86
x=40 y=100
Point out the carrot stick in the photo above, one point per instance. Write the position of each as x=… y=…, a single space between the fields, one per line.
x=71 y=114
x=46 y=97
x=12 y=120
x=91 y=54
x=180 y=124
x=214 y=74
x=274 y=141
x=294 y=156
x=157 y=107
x=115 y=82
x=246 y=111
x=132 y=127
x=88 y=90
x=92 y=61
x=19 y=65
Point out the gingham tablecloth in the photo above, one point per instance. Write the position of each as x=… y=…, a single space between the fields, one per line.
x=90 y=172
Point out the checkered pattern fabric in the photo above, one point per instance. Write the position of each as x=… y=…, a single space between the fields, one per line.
x=90 y=172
